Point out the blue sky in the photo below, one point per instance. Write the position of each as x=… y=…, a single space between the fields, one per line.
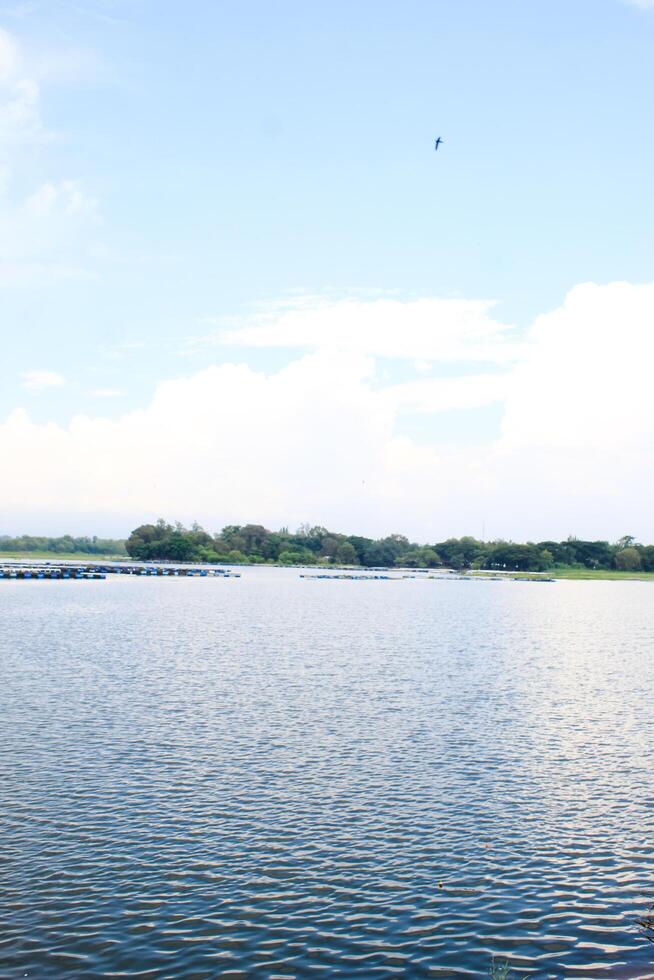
x=171 y=172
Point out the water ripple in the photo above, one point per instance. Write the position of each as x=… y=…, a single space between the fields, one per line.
x=285 y=781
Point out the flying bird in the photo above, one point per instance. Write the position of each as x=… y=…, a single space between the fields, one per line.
x=438 y=142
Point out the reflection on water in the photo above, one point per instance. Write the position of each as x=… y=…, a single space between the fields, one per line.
x=276 y=777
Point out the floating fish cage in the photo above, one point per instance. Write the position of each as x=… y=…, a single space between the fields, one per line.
x=49 y=573
x=358 y=578
x=63 y=570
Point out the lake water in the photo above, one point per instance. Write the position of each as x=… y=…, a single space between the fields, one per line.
x=276 y=777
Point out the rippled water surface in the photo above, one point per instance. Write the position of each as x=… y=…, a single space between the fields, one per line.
x=277 y=777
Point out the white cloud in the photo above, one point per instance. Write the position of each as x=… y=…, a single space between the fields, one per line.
x=447 y=394
x=42 y=233
x=584 y=380
x=40 y=380
x=322 y=439
x=423 y=329
x=42 y=238
x=107 y=393
x=643 y=4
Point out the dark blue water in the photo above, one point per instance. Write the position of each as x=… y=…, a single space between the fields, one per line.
x=275 y=777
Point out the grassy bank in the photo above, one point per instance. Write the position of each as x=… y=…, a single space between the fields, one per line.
x=576 y=574
x=586 y=574
x=600 y=574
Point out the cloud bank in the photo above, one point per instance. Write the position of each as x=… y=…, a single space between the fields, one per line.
x=324 y=439
x=425 y=329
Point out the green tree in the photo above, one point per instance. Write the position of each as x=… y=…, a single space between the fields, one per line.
x=291 y=558
x=254 y=538
x=418 y=558
x=547 y=558
x=647 y=557
x=430 y=558
x=329 y=547
x=346 y=554
x=628 y=560
x=180 y=547
x=626 y=541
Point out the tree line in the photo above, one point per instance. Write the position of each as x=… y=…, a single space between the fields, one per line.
x=254 y=544
x=66 y=544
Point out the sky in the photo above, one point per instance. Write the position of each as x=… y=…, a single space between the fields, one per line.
x=237 y=283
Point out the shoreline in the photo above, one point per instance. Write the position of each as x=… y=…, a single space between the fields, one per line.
x=558 y=574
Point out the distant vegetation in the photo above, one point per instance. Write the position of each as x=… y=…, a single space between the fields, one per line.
x=65 y=545
x=253 y=543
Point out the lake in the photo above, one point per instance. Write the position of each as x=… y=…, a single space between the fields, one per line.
x=279 y=777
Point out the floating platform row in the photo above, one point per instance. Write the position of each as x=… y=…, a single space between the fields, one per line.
x=360 y=578
x=48 y=573
x=441 y=578
x=63 y=570
x=182 y=570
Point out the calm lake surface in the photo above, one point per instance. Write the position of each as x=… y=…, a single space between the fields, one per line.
x=276 y=777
